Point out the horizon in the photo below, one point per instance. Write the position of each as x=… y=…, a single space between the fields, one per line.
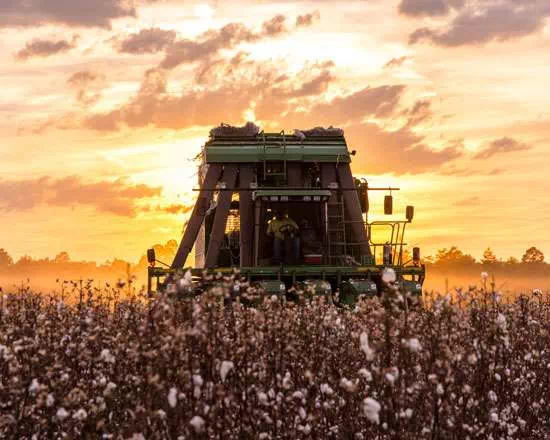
x=105 y=109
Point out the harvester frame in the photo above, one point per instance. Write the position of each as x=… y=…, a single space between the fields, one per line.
x=249 y=177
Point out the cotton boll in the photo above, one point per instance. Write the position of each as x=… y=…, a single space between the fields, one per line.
x=364 y=344
x=197 y=422
x=34 y=387
x=62 y=414
x=389 y=275
x=225 y=368
x=371 y=409
x=80 y=415
x=173 y=397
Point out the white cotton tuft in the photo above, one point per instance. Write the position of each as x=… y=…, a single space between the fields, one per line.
x=262 y=397
x=414 y=345
x=62 y=414
x=287 y=381
x=34 y=387
x=197 y=380
x=389 y=275
x=50 y=400
x=366 y=374
x=109 y=389
x=501 y=321
x=299 y=134
x=348 y=385
x=225 y=368
x=81 y=415
x=106 y=356
x=197 y=422
x=326 y=389
x=364 y=344
x=371 y=409
x=173 y=397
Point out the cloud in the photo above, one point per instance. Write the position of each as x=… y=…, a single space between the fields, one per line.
x=275 y=26
x=502 y=146
x=454 y=171
x=379 y=102
x=147 y=41
x=176 y=209
x=416 y=8
x=308 y=19
x=96 y=13
x=399 y=152
x=154 y=106
x=420 y=112
x=210 y=43
x=45 y=48
x=114 y=197
x=187 y=51
x=469 y=201
x=316 y=86
x=498 y=21
x=88 y=86
x=224 y=90
x=396 y=62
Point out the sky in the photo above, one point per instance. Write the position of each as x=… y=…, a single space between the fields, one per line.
x=104 y=105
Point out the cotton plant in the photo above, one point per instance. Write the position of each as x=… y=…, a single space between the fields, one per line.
x=462 y=366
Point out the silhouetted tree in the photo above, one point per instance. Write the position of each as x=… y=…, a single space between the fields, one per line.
x=5 y=258
x=512 y=260
x=532 y=255
x=453 y=255
x=489 y=257
x=62 y=258
x=24 y=261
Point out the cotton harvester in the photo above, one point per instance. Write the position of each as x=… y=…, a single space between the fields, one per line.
x=249 y=179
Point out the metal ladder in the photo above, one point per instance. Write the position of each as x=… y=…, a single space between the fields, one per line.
x=267 y=170
x=337 y=245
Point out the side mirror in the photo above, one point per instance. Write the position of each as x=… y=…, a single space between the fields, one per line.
x=151 y=256
x=388 y=205
x=410 y=213
x=363 y=192
x=416 y=255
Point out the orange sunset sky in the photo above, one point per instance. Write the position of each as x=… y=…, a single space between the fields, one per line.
x=105 y=103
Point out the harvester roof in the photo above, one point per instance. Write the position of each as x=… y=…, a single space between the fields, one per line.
x=325 y=147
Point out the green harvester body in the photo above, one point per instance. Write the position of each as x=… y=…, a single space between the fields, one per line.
x=246 y=179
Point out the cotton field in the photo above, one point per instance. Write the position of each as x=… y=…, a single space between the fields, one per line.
x=466 y=366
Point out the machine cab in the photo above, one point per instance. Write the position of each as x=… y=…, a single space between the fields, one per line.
x=283 y=206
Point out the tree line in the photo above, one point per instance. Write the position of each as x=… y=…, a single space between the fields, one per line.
x=453 y=256
x=43 y=272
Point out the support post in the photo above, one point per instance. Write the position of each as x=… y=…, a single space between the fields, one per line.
x=220 y=218
x=197 y=217
x=246 y=213
x=353 y=209
x=257 y=214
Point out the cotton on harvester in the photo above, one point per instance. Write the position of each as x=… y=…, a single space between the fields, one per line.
x=249 y=179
